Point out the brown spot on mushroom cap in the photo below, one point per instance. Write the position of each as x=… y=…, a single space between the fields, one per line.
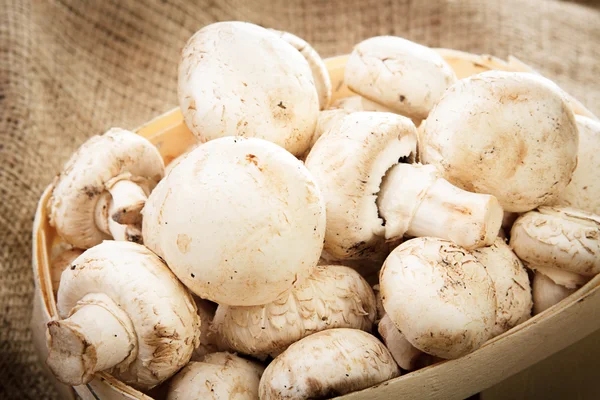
x=183 y=242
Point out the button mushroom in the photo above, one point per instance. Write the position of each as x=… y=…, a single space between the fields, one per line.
x=59 y=264
x=332 y=297
x=405 y=354
x=552 y=285
x=208 y=338
x=103 y=188
x=559 y=237
x=439 y=296
x=508 y=134
x=364 y=208
x=584 y=190
x=402 y=75
x=511 y=283
x=218 y=376
x=122 y=311
x=239 y=221
x=225 y=88
x=327 y=364
x=317 y=66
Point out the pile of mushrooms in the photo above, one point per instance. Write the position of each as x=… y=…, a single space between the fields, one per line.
x=237 y=274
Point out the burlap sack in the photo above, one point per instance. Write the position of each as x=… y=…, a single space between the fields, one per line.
x=72 y=69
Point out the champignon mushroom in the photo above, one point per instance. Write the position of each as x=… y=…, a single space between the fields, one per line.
x=327 y=364
x=584 y=190
x=439 y=296
x=102 y=190
x=218 y=376
x=332 y=297
x=209 y=342
x=402 y=75
x=59 y=264
x=560 y=237
x=239 y=221
x=225 y=88
x=317 y=66
x=547 y=293
x=366 y=205
x=511 y=283
x=124 y=312
x=508 y=134
x=405 y=354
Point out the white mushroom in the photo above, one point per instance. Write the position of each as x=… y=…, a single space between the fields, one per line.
x=568 y=279
x=124 y=312
x=364 y=208
x=439 y=296
x=332 y=297
x=103 y=188
x=238 y=79
x=564 y=238
x=327 y=364
x=547 y=293
x=405 y=76
x=405 y=354
x=59 y=264
x=239 y=221
x=511 y=283
x=218 y=376
x=584 y=190
x=209 y=342
x=317 y=66
x=511 y=135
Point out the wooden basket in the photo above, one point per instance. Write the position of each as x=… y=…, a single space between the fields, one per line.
x=556 y=328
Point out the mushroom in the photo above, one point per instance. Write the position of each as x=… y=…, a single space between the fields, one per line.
x=225 y=88
x=209 y=342
x=327 y=364
x=218 y=376
x=439 y=296
x=547 y=292
x=511 y=283
x=508 y=134
x=560 y=237
x=59 y=264
x=102 y=190
x=239 y=221
x=584 y=190
x=405 y=354
x=332 y=297
x=402 y=75
x=317 y=66
x=121 y=311
x=366 y=205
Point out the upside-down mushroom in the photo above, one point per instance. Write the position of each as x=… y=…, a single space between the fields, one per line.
x=225 y=88
x=239 y=221
x=218 y=376
x=121 y=311
x=327 y=364
x=332 y=297
x=371 y=197
x=101 y=191
x=439 y=296
x=508 y=134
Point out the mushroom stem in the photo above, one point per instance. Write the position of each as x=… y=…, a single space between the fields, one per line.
x=414 y=200
x=546 y=293
x=128 y=199
x=125 y=231
x=97 y=336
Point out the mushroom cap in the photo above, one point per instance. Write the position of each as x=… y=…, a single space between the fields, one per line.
x=348 y=163
x=547 y=293
x=161 y=310
x=508 y=134
x=332 y=297
x=208 y=338
x=511 y=283
x=59 y=264
x=327 y=364
x=219 y=376
x=561 y=277
x=584 y=190
x=317 y=66
x=358 y=103
x=226 y=90
x=238 y=221
x=100 y=161
x=405 y=76
x=439 y=296
x=560 y=237
x=405 y=354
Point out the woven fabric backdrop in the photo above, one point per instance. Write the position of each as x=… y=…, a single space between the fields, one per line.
x=71 y=69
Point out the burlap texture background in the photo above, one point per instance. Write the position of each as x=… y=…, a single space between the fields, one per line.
x=71 y=69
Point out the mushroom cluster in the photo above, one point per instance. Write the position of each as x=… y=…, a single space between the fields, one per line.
x=310 y=246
